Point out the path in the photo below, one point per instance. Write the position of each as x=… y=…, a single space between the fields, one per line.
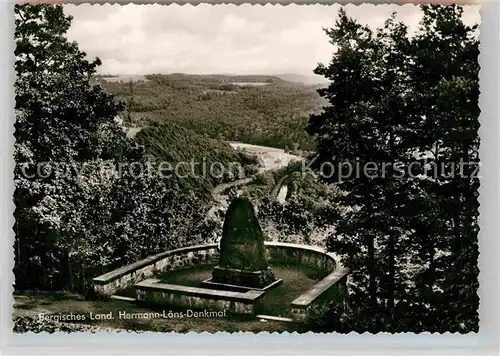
x=217 y=191
x=271 y=158
x=282 y=194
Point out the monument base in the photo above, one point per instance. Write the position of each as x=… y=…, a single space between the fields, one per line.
x=237 y=277
x=208 y=283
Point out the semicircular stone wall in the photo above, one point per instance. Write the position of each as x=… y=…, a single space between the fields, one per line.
x=278 y=253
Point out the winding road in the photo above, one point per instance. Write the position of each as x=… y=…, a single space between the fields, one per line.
x=271 y=158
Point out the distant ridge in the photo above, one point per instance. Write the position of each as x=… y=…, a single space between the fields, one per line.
x=288 y=77
x=303 y=79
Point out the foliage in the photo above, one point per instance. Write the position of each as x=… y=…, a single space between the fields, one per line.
x=305 y=215
x=201 y=162
x=78 y=212
x=272 y=115
x=410 y=239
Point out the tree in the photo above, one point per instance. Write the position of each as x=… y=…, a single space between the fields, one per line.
x=58 y=121
x=445 y=77
x=82 y=203
x=390 y=104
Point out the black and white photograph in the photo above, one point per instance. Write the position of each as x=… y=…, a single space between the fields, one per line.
x=253 y=168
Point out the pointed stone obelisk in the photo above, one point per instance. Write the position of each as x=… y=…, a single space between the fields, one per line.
x=242 y=260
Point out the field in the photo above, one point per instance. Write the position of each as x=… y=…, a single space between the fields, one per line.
x=296 y=281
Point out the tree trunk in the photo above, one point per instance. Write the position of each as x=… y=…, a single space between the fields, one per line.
x=84 y=280
x=390 y=301
x=432 y=239
x=70 y=274
x=371 y=270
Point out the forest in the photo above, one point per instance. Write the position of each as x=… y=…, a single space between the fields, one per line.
x=410 y=241
x=274 y=114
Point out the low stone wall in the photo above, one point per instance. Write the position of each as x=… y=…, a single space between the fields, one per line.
x=126 y=276
x=331 y=289
x=279 y=253
x=151 y=291
x=301 y=255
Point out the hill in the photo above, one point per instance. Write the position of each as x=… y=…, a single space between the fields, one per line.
x=303 y=79
x=195 y=162
x=256 y=109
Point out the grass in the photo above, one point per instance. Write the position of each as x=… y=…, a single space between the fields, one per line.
x=31 y=305
x=296 y=281
x=190 y=277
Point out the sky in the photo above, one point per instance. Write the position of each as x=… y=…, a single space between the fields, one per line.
x=216 y=39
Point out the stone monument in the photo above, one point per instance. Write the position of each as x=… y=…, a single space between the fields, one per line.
x=242 y=260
